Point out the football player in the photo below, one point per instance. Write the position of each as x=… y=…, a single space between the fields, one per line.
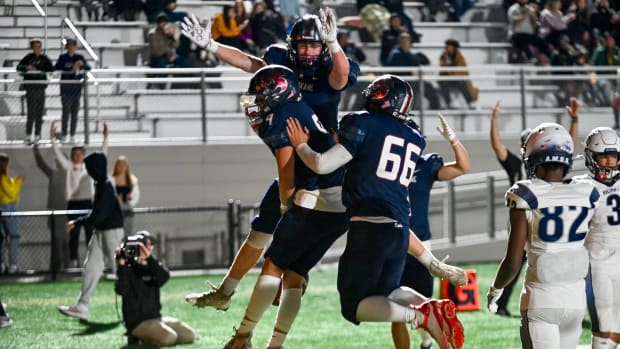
x=323 y=71
x=603 y=241
x=379 y=151
x=313 y=214
x=549 y=219
x=513 y=166
x=430 y=168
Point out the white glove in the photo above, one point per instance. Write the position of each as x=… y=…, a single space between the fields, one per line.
x=191 y=28
x=455 y=275
x=445 y=130
x=328 y=28
x=492 y=296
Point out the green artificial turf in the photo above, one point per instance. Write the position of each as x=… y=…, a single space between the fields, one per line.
x=38 y=324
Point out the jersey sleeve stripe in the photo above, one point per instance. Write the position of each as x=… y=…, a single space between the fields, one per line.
x=526 y=194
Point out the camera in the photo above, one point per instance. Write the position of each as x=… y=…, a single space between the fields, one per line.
x=130 y=248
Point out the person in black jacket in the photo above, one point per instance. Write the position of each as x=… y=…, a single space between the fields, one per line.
x=140 y=276
x=73 y=66
x=35 y=65
x=107 y=218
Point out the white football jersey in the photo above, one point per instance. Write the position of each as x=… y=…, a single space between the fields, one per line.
x=604 y=231
x=557 y=216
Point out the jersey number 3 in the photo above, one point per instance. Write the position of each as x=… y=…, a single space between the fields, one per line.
x=390 y=162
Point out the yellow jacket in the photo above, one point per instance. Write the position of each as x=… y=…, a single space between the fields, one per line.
x=9 y=189
x=220 y=29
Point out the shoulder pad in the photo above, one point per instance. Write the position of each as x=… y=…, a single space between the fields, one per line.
x=521 y=196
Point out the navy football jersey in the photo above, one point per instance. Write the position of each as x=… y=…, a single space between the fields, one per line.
x=385 y=152
x=424 y=176
x=314 y=84
x=273 y=133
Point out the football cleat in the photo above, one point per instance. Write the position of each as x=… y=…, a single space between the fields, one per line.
x=441 y=323
x=455 y=275
x=74 y=311
x=212 y=298
x=239 y=341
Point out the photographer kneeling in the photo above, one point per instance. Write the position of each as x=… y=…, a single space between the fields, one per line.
x=140 y=277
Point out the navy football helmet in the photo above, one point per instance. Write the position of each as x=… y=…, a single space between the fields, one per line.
x=306 y=30
x=270 y=87
x=389 y=94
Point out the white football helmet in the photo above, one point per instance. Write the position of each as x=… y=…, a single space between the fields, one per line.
x=602 y=140
x=547 y=143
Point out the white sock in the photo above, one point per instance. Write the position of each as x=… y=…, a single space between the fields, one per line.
x=382 y=309
x=228 y=286
x=264 y=293
x=290 y=303
x=600 y=343
x=425 y=338
x=407 y=296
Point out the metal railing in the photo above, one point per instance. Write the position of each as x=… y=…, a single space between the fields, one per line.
x=205 y=95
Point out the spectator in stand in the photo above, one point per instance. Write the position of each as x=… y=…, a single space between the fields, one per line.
x=227 y=31
x=605 y=19
x=128 y=10
x=452 y=57
x=403 y=56
x=564 y=56
x=553 y=23
x=152 y=9
x=350 y=96
x=78 y=188
x=127 y=188
x=607 y=54
x=393 y=7
x=9 y=226
x=281 y=29
x=174 y=16
x=92 y=10
x=56 y=188
x=243 y=17
x=73 y=66
x=264 y=26
x=164 y=40
x=580 y=29
x=389 y=37
x=522 y=22
x=35 y=65
x=350 y=49
x=290 y=12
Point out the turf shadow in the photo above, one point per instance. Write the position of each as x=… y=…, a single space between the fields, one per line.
x=96 y=327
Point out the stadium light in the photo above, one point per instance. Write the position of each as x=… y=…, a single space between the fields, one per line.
x=81 y=39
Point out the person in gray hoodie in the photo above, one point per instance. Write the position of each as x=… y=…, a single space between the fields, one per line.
x=107 y=218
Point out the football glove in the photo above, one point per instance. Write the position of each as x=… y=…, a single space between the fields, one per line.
x=455 y=275
x=329 y=29
x=492 y=296
x=191 y=28
x=445 y=130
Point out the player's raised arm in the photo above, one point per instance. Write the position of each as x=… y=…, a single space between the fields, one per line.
x=462 y=164
x=339 y=76
x=573 y=112
x=496 y=142
x=193 y=30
